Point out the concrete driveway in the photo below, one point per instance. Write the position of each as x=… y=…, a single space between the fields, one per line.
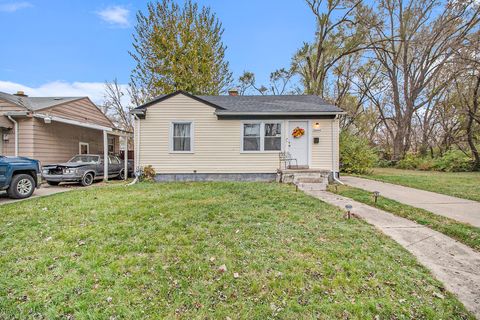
x=462 y=210
x=45 y=190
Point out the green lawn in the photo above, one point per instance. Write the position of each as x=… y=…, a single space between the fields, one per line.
x=153 y=251
x=458 y=184
x=462 y=232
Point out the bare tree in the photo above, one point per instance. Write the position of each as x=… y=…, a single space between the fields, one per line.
x=420 y=45
x=281 y=83
x=467 y=92
x=119 y=101
x=339 y=34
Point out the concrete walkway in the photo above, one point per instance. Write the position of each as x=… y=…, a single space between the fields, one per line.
x=456 y=265
x=462 y=210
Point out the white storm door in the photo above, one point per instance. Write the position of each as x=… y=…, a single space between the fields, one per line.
x=298 y=147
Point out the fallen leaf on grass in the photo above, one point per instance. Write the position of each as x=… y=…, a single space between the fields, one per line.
x=438 y=295
x=222 y=268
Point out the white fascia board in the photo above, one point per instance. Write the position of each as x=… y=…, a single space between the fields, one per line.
x=73 y=122
x=278 y=113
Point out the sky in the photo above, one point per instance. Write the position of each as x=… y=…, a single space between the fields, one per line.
x=71 y=47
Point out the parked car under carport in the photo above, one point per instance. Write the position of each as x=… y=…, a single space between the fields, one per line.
x=85 y=169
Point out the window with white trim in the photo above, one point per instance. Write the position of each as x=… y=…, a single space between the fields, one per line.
x=111 y=145
x=273 y=137
x=181 y=136
x=251 y=137
x=262 y=136
x=83 y=148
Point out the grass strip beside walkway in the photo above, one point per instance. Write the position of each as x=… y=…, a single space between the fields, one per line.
x=465 y=185
x=461 y=232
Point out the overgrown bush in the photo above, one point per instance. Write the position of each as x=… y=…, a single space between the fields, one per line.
x=384 y=163
x=453 y=161
x=410 y=162
x=356 y=155
x=148 y=173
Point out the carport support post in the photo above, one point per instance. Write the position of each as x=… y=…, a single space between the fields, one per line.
x=125 y=158
x=105 y=156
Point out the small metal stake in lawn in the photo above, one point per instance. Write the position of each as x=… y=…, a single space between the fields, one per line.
x=349 y=209
x=375 y=195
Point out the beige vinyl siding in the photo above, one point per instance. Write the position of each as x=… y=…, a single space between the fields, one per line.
x=80 y=110
x=58 y=142
x=321 y=155
x=216 y=143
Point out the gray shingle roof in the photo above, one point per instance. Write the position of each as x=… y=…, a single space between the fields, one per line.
x=260 y=104
x=36 y=103
x=290 y=103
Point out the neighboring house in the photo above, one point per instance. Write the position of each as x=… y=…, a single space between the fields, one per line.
x=234 y=137
x=53 y=129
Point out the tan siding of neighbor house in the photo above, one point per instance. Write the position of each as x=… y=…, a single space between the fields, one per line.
x=6 y=106
x=7 y=147
x=80 y=110
x=58 y=142
x=217 y=143
x=25 y=139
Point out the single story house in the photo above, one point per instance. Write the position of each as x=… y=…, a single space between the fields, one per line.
x=233 y=137
x=53 y=129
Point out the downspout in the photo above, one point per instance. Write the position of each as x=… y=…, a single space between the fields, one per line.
x=136 y=148
x=15 y=123
x=334 y=176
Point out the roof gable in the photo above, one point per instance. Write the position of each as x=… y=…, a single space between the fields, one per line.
x=170 y=95
x=84 y=109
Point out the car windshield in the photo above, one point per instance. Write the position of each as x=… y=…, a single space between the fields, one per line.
x=84 y=159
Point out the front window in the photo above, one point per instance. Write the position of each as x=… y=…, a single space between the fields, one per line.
x=251 y=137
x=262 y=136
x=273 y=137
x=182 y=139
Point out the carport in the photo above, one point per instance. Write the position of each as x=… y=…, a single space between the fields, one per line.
x=48 y=119
x=107 y=131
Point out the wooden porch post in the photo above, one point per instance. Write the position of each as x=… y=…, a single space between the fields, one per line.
x=105 y=156
x=125 y=157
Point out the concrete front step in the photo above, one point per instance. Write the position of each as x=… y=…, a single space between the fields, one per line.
x=304 y=176
x=312 y=186
x=309 y=180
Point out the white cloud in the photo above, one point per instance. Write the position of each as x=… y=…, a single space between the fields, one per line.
x=115 y=15
x=14 y=6
x=94 y=90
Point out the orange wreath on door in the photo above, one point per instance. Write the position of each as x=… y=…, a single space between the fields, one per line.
x=298 y=132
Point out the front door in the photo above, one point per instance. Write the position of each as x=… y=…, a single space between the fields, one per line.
x=298 y=146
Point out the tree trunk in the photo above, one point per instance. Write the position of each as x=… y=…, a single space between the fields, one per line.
x=399 y=144
x=471 y=118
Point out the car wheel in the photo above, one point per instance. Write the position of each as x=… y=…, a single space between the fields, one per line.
x=87 y=179
x=22 y=186
x=121 y=175
x=53 y=183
